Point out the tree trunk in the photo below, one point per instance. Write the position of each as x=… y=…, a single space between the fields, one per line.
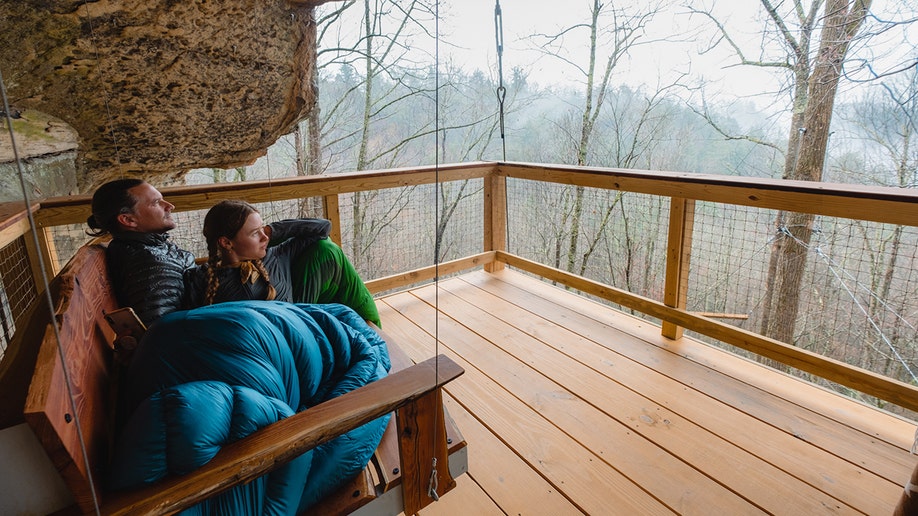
x=309 y=148
x=843 y=18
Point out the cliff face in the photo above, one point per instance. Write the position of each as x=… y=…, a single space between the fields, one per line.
x=158 y=87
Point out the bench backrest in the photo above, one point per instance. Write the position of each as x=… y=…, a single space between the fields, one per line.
x=81 y=292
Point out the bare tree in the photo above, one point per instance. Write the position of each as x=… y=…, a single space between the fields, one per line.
x=840 y=24
x=613 y=31
x=382 y=75
x=814 y=79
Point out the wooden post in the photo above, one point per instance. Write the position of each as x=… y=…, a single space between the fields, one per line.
x=678 y=252
x=48 y=251
x=422 y=437
x=495 y=217
x=333 y=213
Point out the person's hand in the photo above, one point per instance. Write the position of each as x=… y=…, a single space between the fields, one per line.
x=267 y=230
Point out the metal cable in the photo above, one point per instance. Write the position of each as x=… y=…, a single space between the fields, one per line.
x=48 y=300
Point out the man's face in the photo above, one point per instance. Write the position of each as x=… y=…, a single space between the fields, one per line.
x=151 y=214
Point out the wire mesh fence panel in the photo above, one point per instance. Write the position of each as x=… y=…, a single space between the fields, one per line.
x=613 y=237
x=17 y=288
x=729 y=262
x=395 y=230
x=855 y=298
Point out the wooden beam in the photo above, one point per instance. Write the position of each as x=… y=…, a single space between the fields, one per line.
x=422 y=445
x=333 y=213
x=429 y=273
x=76 y=209
x=678 y=254
x=495 y=217
x=879 y=204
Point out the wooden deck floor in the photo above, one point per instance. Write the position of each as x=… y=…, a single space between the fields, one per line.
x=569 y=407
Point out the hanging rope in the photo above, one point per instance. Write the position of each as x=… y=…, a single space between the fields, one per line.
x=432 y=483
x=47 y=292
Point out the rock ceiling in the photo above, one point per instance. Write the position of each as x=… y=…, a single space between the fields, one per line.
x=158 y=87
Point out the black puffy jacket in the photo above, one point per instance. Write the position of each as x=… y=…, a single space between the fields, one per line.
x=146 y=271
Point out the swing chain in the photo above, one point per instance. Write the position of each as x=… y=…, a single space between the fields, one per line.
x=501 y=90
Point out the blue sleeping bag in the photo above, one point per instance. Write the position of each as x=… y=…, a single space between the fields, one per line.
x=206 y=377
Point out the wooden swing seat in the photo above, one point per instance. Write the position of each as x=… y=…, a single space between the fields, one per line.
x=395 y=480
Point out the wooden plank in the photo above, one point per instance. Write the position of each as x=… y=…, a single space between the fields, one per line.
x=466 y=498
x=880 y=204
x=14 y=221
x=515 y=486
x=69 y=400
x=495 y=218
x=710 y=452
x=76 y=209
x=710 y=421
x=356 y=493
x=833 y=409
x=424 y=460
x=678 y=257
x=429 y=273
x=805 y=425
x=859 y=379
x=333 y=214
x=386 y=459
x=802 y=423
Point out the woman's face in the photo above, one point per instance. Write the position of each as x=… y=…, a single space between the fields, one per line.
x=250 y=242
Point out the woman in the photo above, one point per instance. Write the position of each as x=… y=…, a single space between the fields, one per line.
x=304 y=266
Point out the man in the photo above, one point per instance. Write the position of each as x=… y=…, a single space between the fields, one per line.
x=145 y=266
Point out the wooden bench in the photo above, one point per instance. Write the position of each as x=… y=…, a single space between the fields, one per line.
x=70 y=411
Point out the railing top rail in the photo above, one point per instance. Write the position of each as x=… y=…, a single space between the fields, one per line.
x=875 y=203
x=75 y=209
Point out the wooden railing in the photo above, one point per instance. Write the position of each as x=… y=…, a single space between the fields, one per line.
x=684 y=190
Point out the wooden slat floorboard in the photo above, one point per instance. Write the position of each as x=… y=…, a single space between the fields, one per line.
x=798 y=415
x=580 y=408
x=535 y=439
x=635 y=427
x=896 y=431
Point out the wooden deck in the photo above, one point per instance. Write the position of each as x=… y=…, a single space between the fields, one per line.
x=570 y=407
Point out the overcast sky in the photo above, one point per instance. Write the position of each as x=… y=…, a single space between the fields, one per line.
x=470 y=23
